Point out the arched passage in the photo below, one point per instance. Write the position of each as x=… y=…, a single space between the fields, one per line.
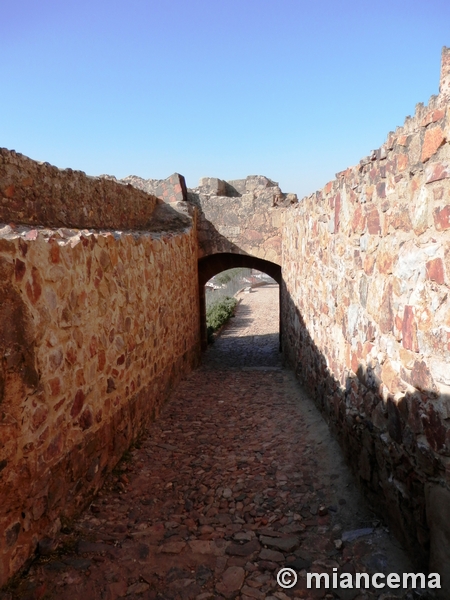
x=208 y=266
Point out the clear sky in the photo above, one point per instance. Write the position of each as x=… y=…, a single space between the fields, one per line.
x=293 y=89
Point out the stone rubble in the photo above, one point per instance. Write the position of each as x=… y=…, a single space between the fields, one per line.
x=237 y=478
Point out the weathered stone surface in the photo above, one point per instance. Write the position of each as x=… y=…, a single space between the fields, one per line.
x=375 y=358
x=434 y=138
x=409 y=330
x=171 y=190
x=243 y=216
x=231 y=582
x=91 y=353
x=52 y=197
x=435 y=270
x=442 y=218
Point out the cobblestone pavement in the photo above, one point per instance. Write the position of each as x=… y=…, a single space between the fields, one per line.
x=238 y=478
x=251 y=338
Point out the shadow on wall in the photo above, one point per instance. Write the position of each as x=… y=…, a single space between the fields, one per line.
x=390 y=446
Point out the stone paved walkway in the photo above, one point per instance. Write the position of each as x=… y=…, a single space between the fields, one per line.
x=238 y=478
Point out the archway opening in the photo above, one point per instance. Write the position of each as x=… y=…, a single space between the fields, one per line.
x=209 y=266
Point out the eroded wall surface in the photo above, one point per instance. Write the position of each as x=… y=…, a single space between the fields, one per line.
x=366 y=308
x=95 y=329
x=243 y=216
x=41 y=194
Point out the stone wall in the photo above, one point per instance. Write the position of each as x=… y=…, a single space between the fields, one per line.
x=96 y=327
x=244 y=216
x=366 y=311
x=41 y=194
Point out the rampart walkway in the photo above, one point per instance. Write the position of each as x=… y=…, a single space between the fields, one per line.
x=236 y=479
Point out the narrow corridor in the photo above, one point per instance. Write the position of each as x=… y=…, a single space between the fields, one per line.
x=237 y=478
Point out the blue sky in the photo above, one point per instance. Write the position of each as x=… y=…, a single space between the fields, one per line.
x=293 y=89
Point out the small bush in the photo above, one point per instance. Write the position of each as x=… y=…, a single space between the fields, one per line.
x=226 y=276
x=219 y=313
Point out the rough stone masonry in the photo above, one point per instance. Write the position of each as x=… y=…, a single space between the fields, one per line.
x=100 y=317
x=366 y=308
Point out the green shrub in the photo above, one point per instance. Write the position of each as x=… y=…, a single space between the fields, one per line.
x=219 y=313
x=226 y=276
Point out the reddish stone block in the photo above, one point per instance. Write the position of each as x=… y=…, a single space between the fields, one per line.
x=436 y=172
x=434 y=138
x=442 y=218
x=55 y=254
x=71 y=354
x=55 y=386
x=403 y=140
x=9 y=191
x=438 y=192
x=409 y=330
x=373 y=221
x=39 y=417
x=435 y=270
x=421 y=377
x=59 y=404
x=55 y=447
x=34 y=289
x=86 y=419
x=101 y=360
x=77 y=404
x=93 y=346
x=367 y=348
x=369 y=264
x=79 y=378
x=327 y=189
x=399 y=219
x=19 y=269
x=385 y=262
x=432 y=117
x=381 y=189
x=402 y=162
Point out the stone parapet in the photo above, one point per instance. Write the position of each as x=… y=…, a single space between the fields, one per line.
x=39 y=194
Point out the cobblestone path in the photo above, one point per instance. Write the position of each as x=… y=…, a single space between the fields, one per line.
x=237 y=478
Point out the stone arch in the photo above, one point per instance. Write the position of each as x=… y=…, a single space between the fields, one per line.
x=211 y=265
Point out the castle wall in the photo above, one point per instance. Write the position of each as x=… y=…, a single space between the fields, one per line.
x=366 y=311
x=96 y=327
x=240 y=217
x=36 y=193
